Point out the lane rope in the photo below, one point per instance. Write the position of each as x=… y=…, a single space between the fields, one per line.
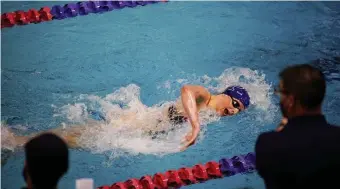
x=70 y=10
x=190 y=175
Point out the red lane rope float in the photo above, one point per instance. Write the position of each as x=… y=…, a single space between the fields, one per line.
x=8 y=20
x=147 y=182
x=160 y=180
x=45 y=14
x=33 y=16
x=20 y=17
x=187 y=176
x=69 y=10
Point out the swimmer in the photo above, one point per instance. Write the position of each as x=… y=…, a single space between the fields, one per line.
x=231 y=101
x=193 y=99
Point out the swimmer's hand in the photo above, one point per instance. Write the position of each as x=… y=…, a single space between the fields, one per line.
x=190 y=139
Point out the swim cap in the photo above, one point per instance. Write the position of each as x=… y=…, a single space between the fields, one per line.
x=239 y=93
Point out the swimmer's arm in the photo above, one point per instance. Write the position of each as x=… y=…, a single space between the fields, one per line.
x=70 y=134
x=191 y=96
x=201 y=95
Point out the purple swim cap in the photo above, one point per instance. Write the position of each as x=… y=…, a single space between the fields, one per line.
x=239 y=93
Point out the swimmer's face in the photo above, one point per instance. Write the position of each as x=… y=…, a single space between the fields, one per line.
x=227 y=105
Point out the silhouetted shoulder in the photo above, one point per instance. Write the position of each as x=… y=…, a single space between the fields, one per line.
x=335 y=127
x=335 y=131
x=264 y=142
x=265 y=151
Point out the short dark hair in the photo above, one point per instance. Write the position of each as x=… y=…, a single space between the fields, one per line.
x=306 y=83
x=47 y=159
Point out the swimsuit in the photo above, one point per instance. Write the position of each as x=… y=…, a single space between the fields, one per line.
x=175 y=118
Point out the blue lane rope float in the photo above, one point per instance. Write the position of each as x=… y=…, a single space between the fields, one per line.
x=70 y=10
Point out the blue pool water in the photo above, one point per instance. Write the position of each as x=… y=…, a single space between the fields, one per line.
x=51 y=72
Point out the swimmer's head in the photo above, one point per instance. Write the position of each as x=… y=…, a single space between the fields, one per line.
x=239 y=93
x=232 y=100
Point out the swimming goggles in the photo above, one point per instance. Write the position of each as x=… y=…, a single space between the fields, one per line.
x=235 y=104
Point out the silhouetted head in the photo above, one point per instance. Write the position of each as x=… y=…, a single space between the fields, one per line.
x=302 y=90
x=47 y=160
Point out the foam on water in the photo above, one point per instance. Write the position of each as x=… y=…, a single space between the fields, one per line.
x=127 y=119
x=7 y=138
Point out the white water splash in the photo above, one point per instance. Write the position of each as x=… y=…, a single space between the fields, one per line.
x=7 y=138
x=127 y=119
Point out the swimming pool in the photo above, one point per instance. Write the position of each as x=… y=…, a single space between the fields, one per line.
x=52 y=71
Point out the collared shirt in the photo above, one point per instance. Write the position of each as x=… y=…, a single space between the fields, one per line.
x=305 y=154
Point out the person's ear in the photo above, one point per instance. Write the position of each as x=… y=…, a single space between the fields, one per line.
x=290 y=101
x=283 y=123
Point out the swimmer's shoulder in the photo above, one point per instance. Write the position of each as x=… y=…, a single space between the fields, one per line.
x=202 y=94
x=197 y=89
